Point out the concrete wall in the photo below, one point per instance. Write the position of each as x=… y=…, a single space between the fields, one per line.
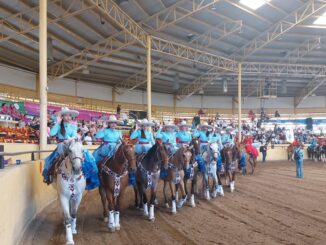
x=23 y=79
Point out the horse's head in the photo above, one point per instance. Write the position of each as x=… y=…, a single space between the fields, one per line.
x=76 y=156
x=214 y=149
x=184 y=155
x=163 y=154
x=130 y=155
x=196 y=146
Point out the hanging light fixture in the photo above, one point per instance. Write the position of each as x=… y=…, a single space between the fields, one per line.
x=284 y=89
x=176 y=83
x=225 y=86
x=50 y=49
x=85 y=70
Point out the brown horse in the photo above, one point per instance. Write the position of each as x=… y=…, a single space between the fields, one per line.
x=290 y=152
x=230 y=158
x=191 y=173
x=175 y=176
x=114 y=181
x=148 y=175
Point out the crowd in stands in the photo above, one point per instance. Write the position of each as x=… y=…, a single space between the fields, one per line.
x=88 y=129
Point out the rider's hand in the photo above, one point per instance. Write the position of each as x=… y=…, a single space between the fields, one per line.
x=59 y=119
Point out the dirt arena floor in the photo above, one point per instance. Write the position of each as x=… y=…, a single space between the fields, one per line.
x=271 y=207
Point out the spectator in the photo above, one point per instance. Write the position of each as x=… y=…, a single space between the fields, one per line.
x=88 y=139
x=298 y=157
x=118 y=109
x=4 y=108
x=54 y=117
x=277 y=114
x=263 y=150
x=79 y=134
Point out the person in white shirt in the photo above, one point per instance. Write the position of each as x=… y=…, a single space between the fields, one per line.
x=88 y=138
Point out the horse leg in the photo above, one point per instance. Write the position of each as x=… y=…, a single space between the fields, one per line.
x=117 y=211
x=111 y=223
x=145 y=207
x=136 y=196
x=193 y=185
x=104 y=201
x=183 y=191
x=214 y=176
x=152 y=202
x=220 y=190
x=164 y=193
x=172 y=189
x=206 y=188
x=67 y=219
x=74 y=205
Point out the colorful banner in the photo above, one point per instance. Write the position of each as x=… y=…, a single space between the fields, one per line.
x=18 y=105
x=34 y=110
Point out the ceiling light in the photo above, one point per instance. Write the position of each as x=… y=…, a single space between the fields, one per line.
x=201 y=91
x=121 y=2
x=225 y=86
x=253 y=4
x=213 y=7
x=85 y=71
x=321 y=20
x=190 y=36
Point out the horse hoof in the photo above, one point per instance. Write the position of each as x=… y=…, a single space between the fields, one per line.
x=174 y=212
x=152 y=220
x=106 y=219
x=112 y=229
x=74 y=232
x=117 y=228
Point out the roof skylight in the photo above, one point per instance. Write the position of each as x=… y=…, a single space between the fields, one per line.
x=321 y=20
x=253 y=4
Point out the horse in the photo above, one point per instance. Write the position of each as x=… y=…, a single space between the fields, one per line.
x=191 y=172
x=148 y=174
x=211 y=156
x=175 y=176
x=71 y=184
x=290 y=152
x=252 y=158
x=114 y=181
x=230 y=157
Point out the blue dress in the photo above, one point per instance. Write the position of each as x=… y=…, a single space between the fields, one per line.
x=168 y=139
x=143 y=144
x=89 y=166
x=184 y=137
x=111 y=138
x=227 y=139
x=203 y=139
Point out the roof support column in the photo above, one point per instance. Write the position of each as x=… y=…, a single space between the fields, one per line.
x=149 y=77
x=43 y=74
x=239 y=102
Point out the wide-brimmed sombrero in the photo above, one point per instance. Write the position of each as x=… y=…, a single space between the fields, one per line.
x=184 y=124
x=67 y=111
x=146 y=123
x=205 y=125
x=169 y=125
x=113 y=119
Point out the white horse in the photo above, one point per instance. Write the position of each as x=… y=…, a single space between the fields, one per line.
x=210 y=157
x=71 y=184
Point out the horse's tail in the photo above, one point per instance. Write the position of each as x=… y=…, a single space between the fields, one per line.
x=73 y=207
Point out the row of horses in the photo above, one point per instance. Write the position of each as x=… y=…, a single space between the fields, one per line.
x=315 y=152
x=144 y=172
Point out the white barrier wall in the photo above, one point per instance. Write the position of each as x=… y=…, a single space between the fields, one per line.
x=19 y=78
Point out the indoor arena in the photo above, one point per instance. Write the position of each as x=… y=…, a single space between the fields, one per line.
x=163 y=122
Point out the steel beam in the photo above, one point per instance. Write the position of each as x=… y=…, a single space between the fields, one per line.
x=161 y=66
x=169 y=16
x=90 y=55
x=293 y=19
x=304 y=49
x=308 y=90
x=26 y=24
x=124 y=21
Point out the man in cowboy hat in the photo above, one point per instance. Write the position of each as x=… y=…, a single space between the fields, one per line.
x=183 y=136
x=64 y=131
x=203 y=133
x=111 y=137
x=298 y=157
x=144 y=136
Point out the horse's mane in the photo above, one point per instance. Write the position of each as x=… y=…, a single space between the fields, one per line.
x=150 y=152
